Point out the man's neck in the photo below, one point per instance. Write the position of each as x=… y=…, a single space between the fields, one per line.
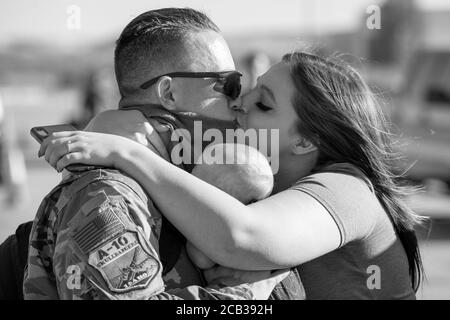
x=135 y=101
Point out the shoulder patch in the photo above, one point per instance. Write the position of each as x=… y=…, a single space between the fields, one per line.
x=101 y=228
x=124 y=264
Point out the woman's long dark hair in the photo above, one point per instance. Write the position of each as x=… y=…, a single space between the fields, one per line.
x=339 y=113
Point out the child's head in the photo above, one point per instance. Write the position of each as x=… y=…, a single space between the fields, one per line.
x=237 y=169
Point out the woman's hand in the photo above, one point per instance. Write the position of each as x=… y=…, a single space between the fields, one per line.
x=69 y=147
x=133 y=125
x=261 y=283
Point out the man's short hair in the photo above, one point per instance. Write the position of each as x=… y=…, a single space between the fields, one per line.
x=154 y=38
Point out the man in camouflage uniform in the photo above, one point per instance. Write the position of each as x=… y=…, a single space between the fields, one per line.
x=105 y=206
x=98 y=234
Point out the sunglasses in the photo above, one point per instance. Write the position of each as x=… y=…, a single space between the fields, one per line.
x=228 y=82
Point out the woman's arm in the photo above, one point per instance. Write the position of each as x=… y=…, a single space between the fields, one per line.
x=281 y=231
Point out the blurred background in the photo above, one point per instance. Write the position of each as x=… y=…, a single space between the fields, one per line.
x=56 y=66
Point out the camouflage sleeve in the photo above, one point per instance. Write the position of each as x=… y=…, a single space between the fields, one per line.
x=107 y=248
x=39 y=279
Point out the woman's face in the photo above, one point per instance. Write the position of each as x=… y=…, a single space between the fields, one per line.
x=269 y=106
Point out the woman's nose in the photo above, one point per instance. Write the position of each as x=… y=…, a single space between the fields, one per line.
x=236 y=105
x=241 y=118
x=240 y=112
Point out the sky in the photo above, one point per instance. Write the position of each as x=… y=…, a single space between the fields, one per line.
x=102 y=20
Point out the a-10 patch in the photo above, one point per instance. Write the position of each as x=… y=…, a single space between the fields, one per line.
x=124 y=263
x=116 y=252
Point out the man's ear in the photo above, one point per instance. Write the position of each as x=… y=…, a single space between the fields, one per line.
x=165 y=92
x=302 y=146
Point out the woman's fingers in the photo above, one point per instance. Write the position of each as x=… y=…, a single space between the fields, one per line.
x=57 y=145
x=63 y=149
x=52 y=155
x=44 y=146
x=56 y=148
x=70 y=158
x=52 y=138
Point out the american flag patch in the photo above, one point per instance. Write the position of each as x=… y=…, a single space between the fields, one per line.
x=103 y=227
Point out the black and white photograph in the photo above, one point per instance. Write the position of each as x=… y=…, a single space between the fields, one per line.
x=224 y=150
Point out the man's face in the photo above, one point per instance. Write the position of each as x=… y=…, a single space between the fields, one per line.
x=210 y=53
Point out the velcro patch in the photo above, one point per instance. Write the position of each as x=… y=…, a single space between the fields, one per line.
x=124 y=264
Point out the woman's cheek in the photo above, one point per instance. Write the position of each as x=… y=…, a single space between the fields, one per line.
x=257 y=120
x=283 y=142
x=278 y=134
x=260 y=121
x=277 y=129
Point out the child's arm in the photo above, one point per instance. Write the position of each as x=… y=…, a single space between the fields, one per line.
x=198 y=257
